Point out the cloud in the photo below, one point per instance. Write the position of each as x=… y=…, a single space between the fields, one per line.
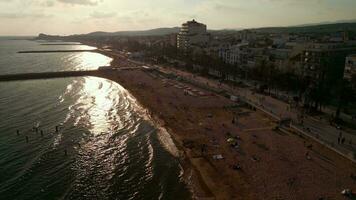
x=101 y=15
x=295 y=2
x=226 y=8
x=81 y=2
x=48 y=3
x=24 y=15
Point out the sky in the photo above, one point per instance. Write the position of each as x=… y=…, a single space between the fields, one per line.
x=66 y=17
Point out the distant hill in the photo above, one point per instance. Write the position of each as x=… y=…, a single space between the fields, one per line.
x=151 y=32
x=156 y=32
x=224 y=31
x=329 y=22
x=321 y=28
x=346 y=25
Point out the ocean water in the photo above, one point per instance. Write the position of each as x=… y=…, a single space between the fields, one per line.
x=106 y=146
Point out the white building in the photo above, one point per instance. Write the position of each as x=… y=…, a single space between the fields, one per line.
x=287 y=58
x=234 y=54
x=350 y=66
x=192 y=33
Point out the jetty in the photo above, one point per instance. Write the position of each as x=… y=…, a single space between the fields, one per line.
x=59 y=44
x=48 y=75
x=100 y=72
x=58 y=51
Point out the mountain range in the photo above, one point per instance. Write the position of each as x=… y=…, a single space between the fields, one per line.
x=349 y=25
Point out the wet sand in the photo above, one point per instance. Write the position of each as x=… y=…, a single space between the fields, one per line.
x=274 y=164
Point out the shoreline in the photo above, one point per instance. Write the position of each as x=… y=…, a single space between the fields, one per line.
x=191 y=175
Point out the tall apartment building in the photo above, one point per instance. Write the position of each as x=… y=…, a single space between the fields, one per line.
x=192 y=33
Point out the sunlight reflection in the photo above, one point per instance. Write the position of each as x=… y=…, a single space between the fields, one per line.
x=84 y=47
x=100 y=102
x=103 y=106
x=89 y=60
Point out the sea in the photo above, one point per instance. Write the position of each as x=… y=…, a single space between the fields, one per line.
x=105 y=145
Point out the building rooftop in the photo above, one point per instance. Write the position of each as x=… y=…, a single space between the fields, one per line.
x=193 y=22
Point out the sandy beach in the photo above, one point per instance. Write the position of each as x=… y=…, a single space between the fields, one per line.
x=229 y=151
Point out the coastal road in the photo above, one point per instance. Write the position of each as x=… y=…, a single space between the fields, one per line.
x=312 y=126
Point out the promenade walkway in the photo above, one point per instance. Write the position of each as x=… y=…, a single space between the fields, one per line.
x=311 y=126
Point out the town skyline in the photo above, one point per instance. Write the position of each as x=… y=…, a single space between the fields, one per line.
x=66 y=17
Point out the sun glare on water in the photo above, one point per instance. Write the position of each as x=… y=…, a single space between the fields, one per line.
x=89 y=60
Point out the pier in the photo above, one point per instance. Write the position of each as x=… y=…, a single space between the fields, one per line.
x=100 y=72
x=50 y=75
x=58 y=51
x=60 y=44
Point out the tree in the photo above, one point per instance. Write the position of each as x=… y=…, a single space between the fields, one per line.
x=260 y=71
x=353 y=81
x=329 y=72
x=272 y=74
x=346 y=95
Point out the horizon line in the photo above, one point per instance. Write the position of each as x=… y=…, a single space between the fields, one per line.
x=217 y=29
